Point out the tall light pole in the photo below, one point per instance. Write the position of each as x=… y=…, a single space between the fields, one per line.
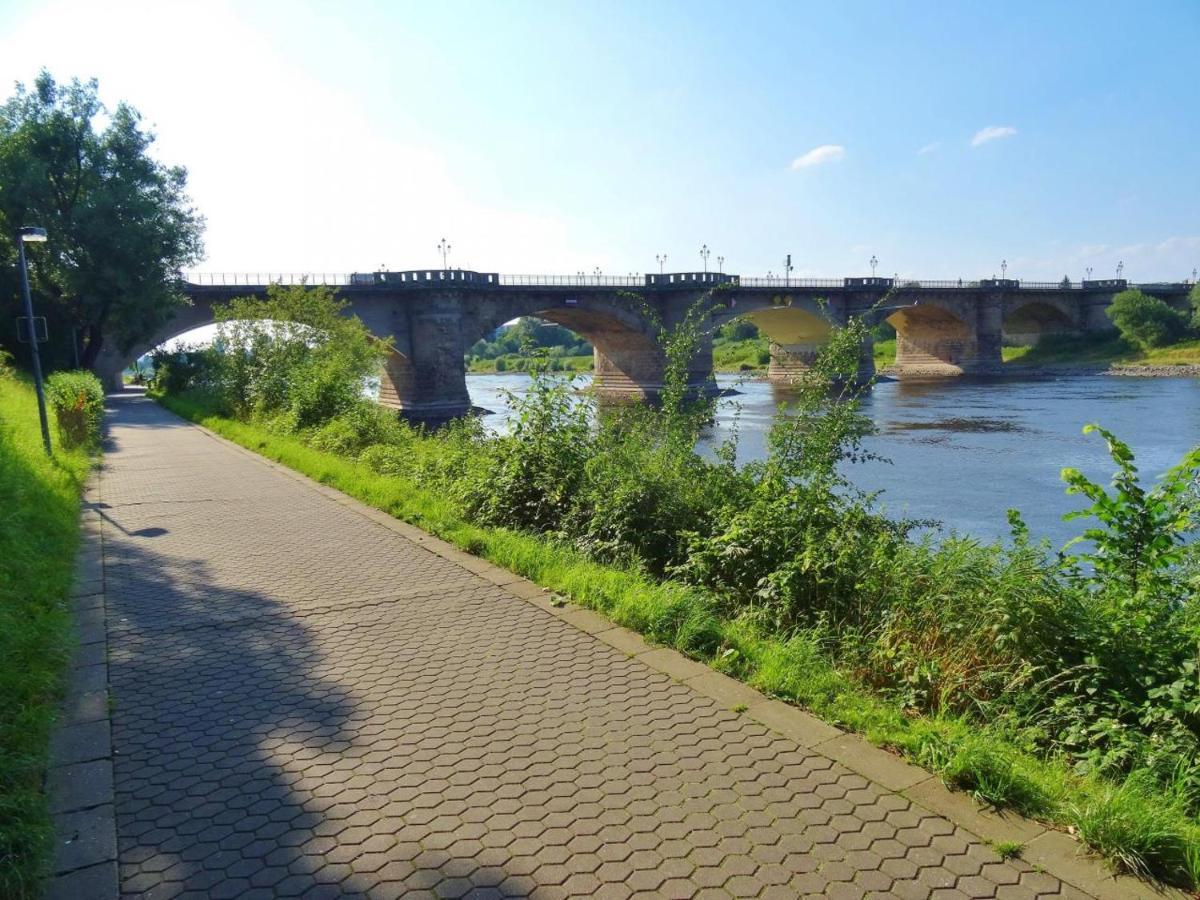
x=1193 y=274
x=444 y=249
x=874 y=263
x=596 y=271
x=32 y=235
x=661 y=259
x=1004 y=269
x=1120 y=269
x=787 y=269
x=720 y=264
x=704 y=251
x=1088 y=272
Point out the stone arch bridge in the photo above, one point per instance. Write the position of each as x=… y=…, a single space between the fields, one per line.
x=944 y=328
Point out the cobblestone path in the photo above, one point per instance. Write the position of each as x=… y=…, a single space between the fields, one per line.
x=307 y=702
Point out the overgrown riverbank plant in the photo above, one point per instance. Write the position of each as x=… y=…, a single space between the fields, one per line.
x=1060 y=683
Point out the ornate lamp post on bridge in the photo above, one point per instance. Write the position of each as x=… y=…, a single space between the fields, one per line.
x=661 y=259
x=720 y=265
x=874 y=263
x=704 y=251
x=787 y=269
x=1120 y=269
x=596 y=271
x=1004 y=269
x=444 y=249
x=33 y=235
x=1088 y=273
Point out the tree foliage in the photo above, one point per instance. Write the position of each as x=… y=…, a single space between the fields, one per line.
x=1146 y=321
x=120 y=222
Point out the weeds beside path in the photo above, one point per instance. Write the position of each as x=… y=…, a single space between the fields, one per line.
x=39 y=535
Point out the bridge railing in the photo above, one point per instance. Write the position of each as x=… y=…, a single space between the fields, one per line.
x=572 y=281
x=249 y=279
x=772 y=282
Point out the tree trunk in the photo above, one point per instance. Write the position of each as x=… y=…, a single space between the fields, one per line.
x=91 y=350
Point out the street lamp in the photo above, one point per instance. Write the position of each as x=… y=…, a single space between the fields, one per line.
x=704 y=251
x=874 y=263
x=1120 y=269
x=661 y=259
x=720 y=264
x=787 y=269
x=32 y=235
x=596 y=271
x=1193 y=274
x=1004 y=268
x=444 y=249
x=1088 y=270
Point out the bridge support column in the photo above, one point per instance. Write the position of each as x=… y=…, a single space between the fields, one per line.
x=425 y=377
x=790 y=361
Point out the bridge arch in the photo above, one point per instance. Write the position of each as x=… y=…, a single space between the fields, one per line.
x=932 y=340
x=1026 y=322
x=628 y=360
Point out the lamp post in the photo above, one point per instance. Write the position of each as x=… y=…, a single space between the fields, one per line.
x=444 y=249
x=704 y=251
x=596 y=271
x=787 y=269
x=1193 y=274
x=1004 y=269
x=661 y=259
x=32 y=235
x=1088 y=272
x=720 y=265
x=874 y=263
x=1120 y=269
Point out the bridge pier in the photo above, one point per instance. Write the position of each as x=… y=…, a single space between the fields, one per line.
x=938 y=340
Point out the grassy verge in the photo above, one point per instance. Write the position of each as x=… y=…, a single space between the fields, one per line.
x=747 y=355
x=514 y=362
x=1133 y=823
x=39 y=535
x=1100 y=349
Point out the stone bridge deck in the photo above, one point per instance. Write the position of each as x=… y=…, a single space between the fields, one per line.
x=309 y=699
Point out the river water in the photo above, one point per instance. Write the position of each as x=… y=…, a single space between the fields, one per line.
x=963 y=451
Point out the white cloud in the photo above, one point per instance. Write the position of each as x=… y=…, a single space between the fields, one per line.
x=929 y=148
x=817 y=155
x=992 y=133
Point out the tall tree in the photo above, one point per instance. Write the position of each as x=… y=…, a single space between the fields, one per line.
x=120 y=222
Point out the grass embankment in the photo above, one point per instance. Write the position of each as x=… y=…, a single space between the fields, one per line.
x=1132 y=822
x=39 y=536
x=515 y=362
x=746 y=355
x=1100 y=349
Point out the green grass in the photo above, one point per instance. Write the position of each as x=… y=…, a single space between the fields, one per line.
x=513 y=362
x=1100 y=349
x=39 y=535
x=748 y=355
x=977 y=759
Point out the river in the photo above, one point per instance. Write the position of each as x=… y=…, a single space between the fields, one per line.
x=963 y=451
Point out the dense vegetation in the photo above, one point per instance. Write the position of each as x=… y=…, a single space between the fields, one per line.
x=1147 y=322
x=1064 y=684
x=530 y=344
x=120 y=222
x=39 y=525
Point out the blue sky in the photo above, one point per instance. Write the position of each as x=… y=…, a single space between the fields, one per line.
x=556 y=137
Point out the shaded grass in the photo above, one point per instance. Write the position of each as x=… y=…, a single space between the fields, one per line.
x=988 y=763
x=39 y=536
x=746 y=355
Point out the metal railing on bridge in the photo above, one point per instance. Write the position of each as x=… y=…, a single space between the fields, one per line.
x=572 y=281
x=257 y=279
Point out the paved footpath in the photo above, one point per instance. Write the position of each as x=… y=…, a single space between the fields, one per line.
x=309 y=701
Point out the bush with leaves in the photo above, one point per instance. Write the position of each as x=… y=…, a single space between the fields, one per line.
x=1146 y=321
x=77 y=398
x=294 y=355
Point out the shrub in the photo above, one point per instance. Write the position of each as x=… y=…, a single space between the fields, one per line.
x=78 y=401
x=1146 y=321
x=6 y=366
x=1194 y=299
x=361 y=425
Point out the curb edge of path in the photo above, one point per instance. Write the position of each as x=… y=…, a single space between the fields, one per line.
x=79 y=777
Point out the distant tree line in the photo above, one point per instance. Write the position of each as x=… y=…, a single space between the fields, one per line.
x=526 y=336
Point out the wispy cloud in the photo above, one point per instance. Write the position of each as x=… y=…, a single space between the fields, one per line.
x=992 y=133
x=929 y=148
x=817 y=155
